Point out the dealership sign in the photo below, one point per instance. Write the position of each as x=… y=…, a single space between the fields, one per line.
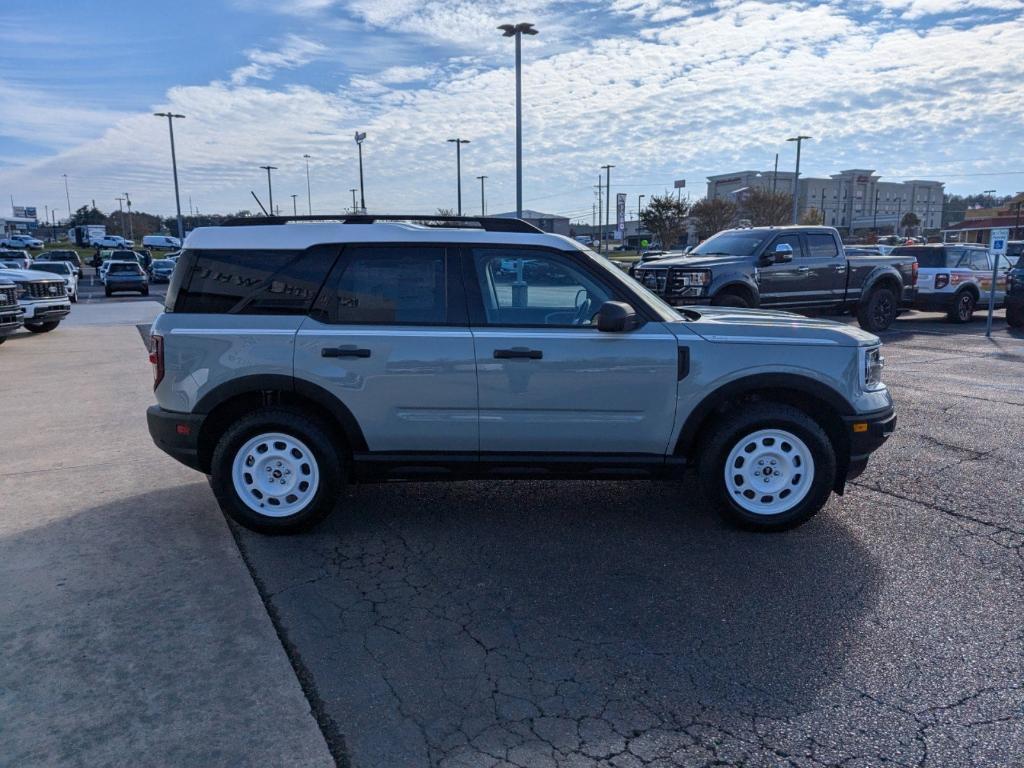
x=620 y=215
x=25 y=212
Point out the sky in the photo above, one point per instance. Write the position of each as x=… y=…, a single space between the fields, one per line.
x=660 y=89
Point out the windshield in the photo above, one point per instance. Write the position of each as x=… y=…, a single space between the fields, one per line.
x=736 y=242
x=57 y=267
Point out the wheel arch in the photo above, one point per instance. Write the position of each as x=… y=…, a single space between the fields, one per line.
x=232 y=399
x=740 y=286
x=883 y=277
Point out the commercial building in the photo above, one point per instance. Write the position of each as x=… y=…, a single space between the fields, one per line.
x=549 y=222
x=978 y=223
x=855 y=199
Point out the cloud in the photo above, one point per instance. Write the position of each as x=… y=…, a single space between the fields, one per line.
x=293 y=53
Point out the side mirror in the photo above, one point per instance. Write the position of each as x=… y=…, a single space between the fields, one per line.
x=616 y=317
x=782 y=254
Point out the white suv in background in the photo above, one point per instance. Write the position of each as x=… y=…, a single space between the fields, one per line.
x=62 y=269
x=955 y=278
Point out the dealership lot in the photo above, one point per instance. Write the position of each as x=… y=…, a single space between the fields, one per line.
x=529 y=623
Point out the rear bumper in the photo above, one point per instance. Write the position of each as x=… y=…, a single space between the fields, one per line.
x=112 y=285
x=868 y=432
x=176 y=434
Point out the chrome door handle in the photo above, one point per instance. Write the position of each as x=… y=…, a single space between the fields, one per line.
x=521 y=353
x=346 y=351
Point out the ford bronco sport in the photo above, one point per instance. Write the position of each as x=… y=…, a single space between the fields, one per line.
x=297 y=354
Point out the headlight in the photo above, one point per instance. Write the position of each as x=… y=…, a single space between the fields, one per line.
x=871 y=368
x=691 y=278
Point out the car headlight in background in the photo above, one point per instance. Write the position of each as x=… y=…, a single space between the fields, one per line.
x=872 y=365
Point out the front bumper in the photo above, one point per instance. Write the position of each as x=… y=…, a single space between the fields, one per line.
x=868 y=432
x=177 y=434
x=41 y=311
x=10 y=320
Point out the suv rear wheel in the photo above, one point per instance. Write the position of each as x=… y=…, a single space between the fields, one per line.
x=276 y=471
x=962 y=310
x=768 y=467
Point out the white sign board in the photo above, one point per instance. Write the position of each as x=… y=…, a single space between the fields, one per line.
x=997 y=247
x=999 y=238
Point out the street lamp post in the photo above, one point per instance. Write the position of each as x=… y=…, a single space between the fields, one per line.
x=483 y=200
x=796 y=176
x=359 y=145
x=270 y=187
x=131 y=226
x=353 y=191
x=458 y=167
x=120 y=210
x=607 y=201
x=295 y=208
x=517 y=31
x=174 y=166
x=67 y=194
x=309 y=197
x=874 y=216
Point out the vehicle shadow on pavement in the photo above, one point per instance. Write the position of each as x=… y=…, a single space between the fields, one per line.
x=456 y=623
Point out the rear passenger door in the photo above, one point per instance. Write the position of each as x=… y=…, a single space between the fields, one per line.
x=825 y=272
x=389 y=337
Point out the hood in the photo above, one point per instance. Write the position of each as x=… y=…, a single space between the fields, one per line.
x=701 y=262
x=34 y=275
x=765 y=326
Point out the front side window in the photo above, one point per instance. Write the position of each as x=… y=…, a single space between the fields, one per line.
x=791 y=240
x=526 y=287
x=403 y=284
x=821 y=246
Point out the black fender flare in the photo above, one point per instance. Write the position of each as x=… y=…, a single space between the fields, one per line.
x=734 y=280
x=879 y=274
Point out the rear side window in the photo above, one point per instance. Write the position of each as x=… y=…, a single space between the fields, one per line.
x=821 y=246
x=927 y=258
x=388 y=284
x=251 y=282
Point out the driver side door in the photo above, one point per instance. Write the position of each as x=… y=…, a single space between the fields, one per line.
x=549 y=381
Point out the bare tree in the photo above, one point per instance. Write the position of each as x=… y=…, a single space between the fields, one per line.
x=665 y=216
x=765 y=208
x=812 y=216
x=446 y=212
x=713 y=216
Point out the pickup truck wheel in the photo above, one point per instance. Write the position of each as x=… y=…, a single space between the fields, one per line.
x=42 y=327
x=276 y=471
x=962 y=310
x=1015 y=317
x=768 y=467
x=729 y=299
x=878 y=311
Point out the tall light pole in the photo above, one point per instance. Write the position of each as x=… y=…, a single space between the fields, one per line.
x=359 y=144
x=796 y=176
x=131 y=226
x=270 y=187
x=120 y=210
x=174 y=165
x=353 y=191
x=517 y=31
x=309 y=197
x=607 y=201
x=67 y=194
x=295 y=208
x=483 y=200
x=458 y=167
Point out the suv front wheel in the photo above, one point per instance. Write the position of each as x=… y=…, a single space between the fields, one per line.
x=768 y=467
x=276 y=471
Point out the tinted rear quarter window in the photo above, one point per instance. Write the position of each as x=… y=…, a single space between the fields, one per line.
x=927 y=258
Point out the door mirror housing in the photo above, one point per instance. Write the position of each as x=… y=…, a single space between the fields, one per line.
x=616 y=317
x=781 y=254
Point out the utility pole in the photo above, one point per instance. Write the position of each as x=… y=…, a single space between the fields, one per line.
x=121 y=210
x=131 y=226
x=607 y=198
x=309 y=196
x=174 y=166
x=353 y=191
x=899 y=210
x=295 y=210
x=775 y=173
x=270 y=187
x=796 y=176
x=359 y=145
x=874 y=216
x=483 y=200
x=823 y=205
x=517 y=31
x=600 y=213
x=67 y=194
x=458 y=168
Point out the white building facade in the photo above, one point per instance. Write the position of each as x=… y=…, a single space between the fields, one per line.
x=855 y=199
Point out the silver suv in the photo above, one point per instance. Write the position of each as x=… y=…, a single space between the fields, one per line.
x=299 y=354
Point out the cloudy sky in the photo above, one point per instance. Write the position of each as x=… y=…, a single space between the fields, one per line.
x=661 y=89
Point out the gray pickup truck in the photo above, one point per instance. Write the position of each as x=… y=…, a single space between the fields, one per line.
x=798 y=268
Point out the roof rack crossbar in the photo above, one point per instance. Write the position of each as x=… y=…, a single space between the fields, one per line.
x=486 y=223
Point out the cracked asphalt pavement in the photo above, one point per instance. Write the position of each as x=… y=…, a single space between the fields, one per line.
x=621 y=624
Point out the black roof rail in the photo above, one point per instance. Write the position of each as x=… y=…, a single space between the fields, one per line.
x=486 y=223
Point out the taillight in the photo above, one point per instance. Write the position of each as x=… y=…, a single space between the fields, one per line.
x=913 y=272
x=941 y=280
x=156 y=358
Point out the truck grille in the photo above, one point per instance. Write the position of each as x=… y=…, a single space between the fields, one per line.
x=49 y=289
x=7 y=298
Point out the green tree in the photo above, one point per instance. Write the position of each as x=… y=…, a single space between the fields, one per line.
x=88 y=215
x=665 y=216
x=765 y=208
x=713 y=216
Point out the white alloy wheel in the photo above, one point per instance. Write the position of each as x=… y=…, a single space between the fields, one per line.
x=275 y=474
x=769 y=472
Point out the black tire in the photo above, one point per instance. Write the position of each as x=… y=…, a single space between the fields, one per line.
x=748 y=420
x=46 y=327
x=144 y=291
x=294 y=423
x=730 y=299
x=1015 y=317
x=962 y=310
x=3 y=339
x=878 y=311
x=74 y=298
x=108 y=292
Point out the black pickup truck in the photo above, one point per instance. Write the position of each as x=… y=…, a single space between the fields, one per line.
x=798 y=268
